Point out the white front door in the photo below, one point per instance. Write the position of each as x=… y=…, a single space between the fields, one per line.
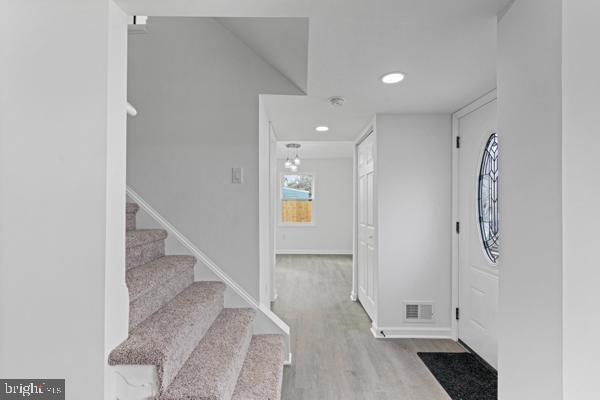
x=366 y=225
x=478 y=243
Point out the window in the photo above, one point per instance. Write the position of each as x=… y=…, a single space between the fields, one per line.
x=297 y=194
x=488 y=199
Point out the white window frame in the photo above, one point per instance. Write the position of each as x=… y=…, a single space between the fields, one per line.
x=279 y=208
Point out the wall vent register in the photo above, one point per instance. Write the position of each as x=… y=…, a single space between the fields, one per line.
x=418 y=312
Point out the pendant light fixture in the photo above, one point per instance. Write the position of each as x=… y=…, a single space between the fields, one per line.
x=287 y=164
x=292 y=164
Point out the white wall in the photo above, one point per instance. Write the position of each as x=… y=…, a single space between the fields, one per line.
x=529 y=107
x=196 y=88
x=116 y=295
x=332 y=210
x=581 y=194
x=414 y=234
x=55 y=189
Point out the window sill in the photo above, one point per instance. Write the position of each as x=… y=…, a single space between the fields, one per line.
x=297 y=225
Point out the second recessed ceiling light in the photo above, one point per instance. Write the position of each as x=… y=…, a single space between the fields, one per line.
x=392 y=77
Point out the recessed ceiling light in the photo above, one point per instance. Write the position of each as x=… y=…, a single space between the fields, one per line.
x=322 y=128
x=392 y=77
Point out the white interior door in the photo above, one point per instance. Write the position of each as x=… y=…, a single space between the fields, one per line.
x=478 y=272
x=366 y=225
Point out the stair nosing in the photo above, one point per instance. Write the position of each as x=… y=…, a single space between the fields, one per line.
x=188 y=260
x=142 y=345
x=246 y=379
x=199 y=358
x=141 y=237
x=131 y=208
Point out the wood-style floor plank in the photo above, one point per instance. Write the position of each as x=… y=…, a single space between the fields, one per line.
x=335 y=355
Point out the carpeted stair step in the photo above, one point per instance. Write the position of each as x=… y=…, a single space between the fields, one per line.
x=144 y=245
x=167 y=338
x=262 y=374
x=213 y=368
x=130 y=212
x=154 y=284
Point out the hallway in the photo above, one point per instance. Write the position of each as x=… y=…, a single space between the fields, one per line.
x=334 y=354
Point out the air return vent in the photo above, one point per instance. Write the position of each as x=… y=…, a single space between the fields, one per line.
x=418 y=312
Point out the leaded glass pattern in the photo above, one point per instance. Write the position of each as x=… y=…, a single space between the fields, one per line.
x=488 y=199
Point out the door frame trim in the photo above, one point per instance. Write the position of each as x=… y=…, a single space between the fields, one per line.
x=456 y=116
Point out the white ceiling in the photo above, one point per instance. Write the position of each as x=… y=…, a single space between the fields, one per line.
x=318 y=150
x=282 y=42
x=446 y=48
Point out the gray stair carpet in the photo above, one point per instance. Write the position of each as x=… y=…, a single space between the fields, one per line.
x=130 y=212
x=212 y=370
x=154 y=284
x=262 y=374
x=201 y=350
x=144 y=245
x=168 y=337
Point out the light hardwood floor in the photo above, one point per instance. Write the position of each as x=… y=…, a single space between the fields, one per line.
x=335 y=355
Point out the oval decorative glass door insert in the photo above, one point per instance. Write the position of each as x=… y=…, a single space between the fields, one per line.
x=488 y=199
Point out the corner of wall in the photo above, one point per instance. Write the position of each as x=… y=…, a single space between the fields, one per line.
x=116 y=295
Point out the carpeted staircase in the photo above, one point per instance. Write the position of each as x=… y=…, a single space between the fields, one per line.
x=200 y=349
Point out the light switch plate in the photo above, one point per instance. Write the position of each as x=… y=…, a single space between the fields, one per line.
x=237 y=175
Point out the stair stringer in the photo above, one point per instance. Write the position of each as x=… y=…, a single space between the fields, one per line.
x=265 y=322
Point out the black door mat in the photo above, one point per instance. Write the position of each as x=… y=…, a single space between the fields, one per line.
x=462 y=375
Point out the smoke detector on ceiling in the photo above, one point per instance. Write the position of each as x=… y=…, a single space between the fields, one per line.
x=336 y=101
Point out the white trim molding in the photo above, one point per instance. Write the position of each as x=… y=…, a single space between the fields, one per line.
x=315 y=252
x=210 y=264
x=265 y=256
x=131 y=110
x=407 y=332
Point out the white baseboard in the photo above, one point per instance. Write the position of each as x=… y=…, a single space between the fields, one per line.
x=314 y=252
x=405 y=332
x=288 y=361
